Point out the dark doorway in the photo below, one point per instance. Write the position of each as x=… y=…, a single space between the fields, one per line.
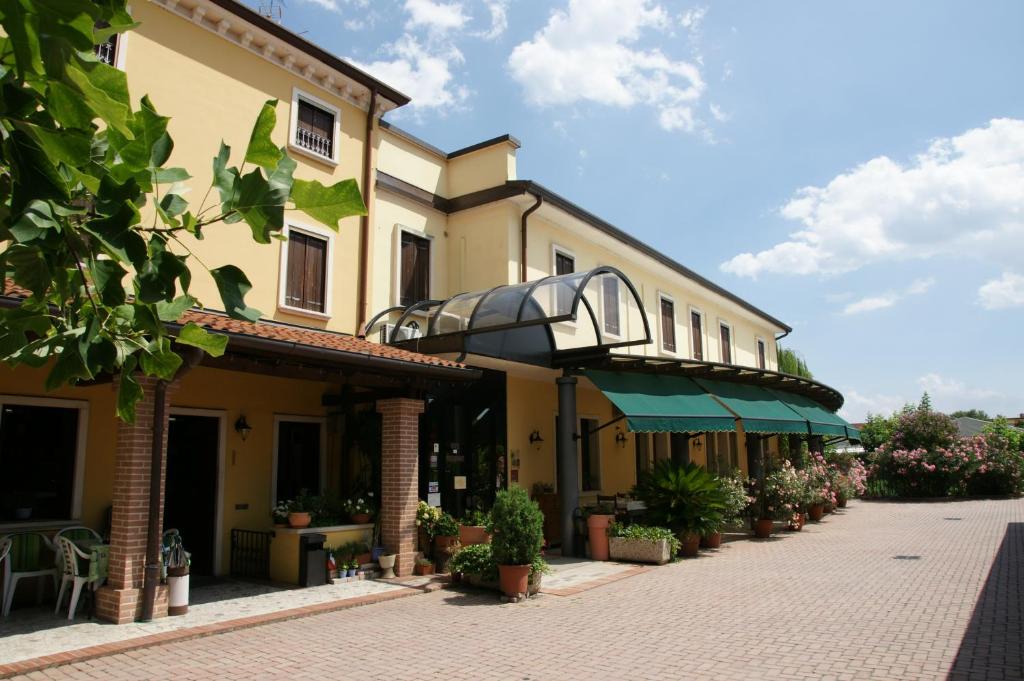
x=190 y=503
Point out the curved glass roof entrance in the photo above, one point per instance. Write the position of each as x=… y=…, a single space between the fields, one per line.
x=530 y=322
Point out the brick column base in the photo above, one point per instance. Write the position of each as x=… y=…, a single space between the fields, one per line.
x=124 y=606
x=400 y=437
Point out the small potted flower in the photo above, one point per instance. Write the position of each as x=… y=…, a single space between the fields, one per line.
x=359 y=510
x=299 y=512
x=279 y=513
x=352 y=567
x=446 y=533
x=424 y=566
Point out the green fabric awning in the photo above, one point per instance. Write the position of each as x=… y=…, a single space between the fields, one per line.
x=821 y=420
x=663 y=404
x=760 y=410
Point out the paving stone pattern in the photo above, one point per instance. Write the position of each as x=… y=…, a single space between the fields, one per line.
x=882 y=591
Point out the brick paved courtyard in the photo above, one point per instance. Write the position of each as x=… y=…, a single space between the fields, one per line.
x=884 y=591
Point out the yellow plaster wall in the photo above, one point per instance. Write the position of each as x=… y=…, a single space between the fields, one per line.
x=481 y=169
x=212 y=90
x=479 y=243
x=410 y=162
x=284 y=550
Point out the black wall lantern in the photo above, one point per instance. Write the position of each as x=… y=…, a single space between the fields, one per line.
x=536 y=439
x=242 y=427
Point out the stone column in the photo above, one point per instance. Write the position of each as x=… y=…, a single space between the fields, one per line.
x=400 y=437
x=120 y=600
x=566 y=454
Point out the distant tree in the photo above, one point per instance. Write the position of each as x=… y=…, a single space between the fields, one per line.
x=791 y=362
x=926 y=402
x=877 y=430
x=971 y=413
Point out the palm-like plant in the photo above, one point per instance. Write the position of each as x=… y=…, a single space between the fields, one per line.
x=685 y=498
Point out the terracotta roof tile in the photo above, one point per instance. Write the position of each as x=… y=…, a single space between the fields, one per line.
x=217 y=321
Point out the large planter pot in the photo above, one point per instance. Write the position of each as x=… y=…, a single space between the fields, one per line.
x=763 y=528
x=690 y=544
x=829 y=508
x=299 y=519
x=796 y=523
x=473 y=534
x=816 y=511
x=711 y=541
x=427 y=569
x=841 y=502
x=514 y=579
x=442 y=543
x=639 y=550
x=360 y=518
x=476 y=580
x=597 y=531
x=387 y=564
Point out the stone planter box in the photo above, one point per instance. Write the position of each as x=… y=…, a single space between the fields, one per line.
x=639 y=550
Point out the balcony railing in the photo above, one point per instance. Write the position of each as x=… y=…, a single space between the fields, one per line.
x=318 y=144
x=107 y=51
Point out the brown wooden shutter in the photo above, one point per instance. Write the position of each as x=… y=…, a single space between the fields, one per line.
x=415 y=274
x=668 y=325
x=296 y=269
x=564 y=264
x=318 y=122
x=698 y=336
x=610 y=289
x=726 y=344
x=761 y=355
x=315 y=279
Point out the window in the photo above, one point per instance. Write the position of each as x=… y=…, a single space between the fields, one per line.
x=414 y=285
x=306 y=272
x=696 y=329
x=725 y=334
x=590 y=458
x=299 y=458
x=107 y=52
x=761 y=355
x=722 y=453
x=564 y=264
x=668 y=325
x=315 y=129
x=610 y=293
x=39 y=456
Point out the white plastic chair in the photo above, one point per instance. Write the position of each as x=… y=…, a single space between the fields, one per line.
x=12 y=577
x=69 y=555
x=72 y=533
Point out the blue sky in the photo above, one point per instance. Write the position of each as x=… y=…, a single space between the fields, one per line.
x=855 y=169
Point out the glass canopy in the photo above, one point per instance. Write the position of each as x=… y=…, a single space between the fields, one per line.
x=527 y=322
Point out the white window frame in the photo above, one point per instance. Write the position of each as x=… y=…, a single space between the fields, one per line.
x=703 y=332
x=78 y=482
x=758 y=341
x=218 y=524
x=396 y=260
x=319 y=233
x=675 y=323
x=293 y=125
x=732 y=342
x=293 y=418
x=557 y=250
x=604 y=329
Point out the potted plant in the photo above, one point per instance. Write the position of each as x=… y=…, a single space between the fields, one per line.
x=300 y=511
x=446 y=533
x=736 y=506
x=599 y=518
x=779 y=499
x=683 y=497
x=426 y=517
x=424 y=566
x=476 y=567
x=517 y=526
x=279 y=514
x=642 y=544
x=352 y=567
x=473 y=528
x=359 y=510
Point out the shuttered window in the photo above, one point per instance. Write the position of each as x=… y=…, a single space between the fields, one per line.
x=315 y=129
x=564 y=264
x=415 y=282
x=726 y=337
x=761 y=359
x=307 y=272
x=668 y=325
x=698 y=335
x=610 y=291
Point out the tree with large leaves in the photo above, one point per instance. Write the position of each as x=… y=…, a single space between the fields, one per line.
x=94 y=223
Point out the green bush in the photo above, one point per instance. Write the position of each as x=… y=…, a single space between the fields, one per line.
x=518 y=528
x=685 y=498
x=476 y=518
x=446 y=526
x=646 y=533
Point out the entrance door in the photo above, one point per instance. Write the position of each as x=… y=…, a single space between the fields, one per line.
x=190 y=502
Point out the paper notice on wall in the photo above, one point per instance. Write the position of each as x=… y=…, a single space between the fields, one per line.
x=433 y=487
x=434 y=499
x=459 y=482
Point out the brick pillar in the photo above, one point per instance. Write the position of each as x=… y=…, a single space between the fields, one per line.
x=400 y=437
x=120 y=600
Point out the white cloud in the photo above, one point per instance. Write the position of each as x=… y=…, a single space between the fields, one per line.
x=588 y=53
x=435 y=16
x=940 y=386
x=718 y=114
x=1006 y=291
x=858 y=405
x=331 y=5
x=692 y=19
x=870 y=303
x=963 y=196
x=498 y=10
x=423 y=73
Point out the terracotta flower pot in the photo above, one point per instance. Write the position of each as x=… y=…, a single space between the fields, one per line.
x=360 y=518
x=690 y=544
x=816 y=511
x=828 y=508
x=473 y=534
x=763 y=528
x=299 y=519
x=597 y=530
x=841 y=502
x=514 y=579
x=711 y=541
x=424 y=569
x=364 y=558
x=444 y=542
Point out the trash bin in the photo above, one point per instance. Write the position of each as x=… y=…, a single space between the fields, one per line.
x=312 y=559
x=176 y=563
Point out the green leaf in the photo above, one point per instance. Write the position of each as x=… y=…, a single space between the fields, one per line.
x=224 y=178
x=233 y=285
x=68 y=107
x=68 y=368
x=261 y=149
x=30 y=268
x=260 y=206
x=169 y=175
x=129 y=392
x=104 y=90
x=212 y=344
x=172 y=311
x=149 y=145
x=17 y=323
x=69 y=146
x=34 y=222
x=22 y=28
x=328 y=204
x=157 y=278
x=108 y=277
x=173 y=204
x=116 y=236
x=35 y=175
x=159 y=360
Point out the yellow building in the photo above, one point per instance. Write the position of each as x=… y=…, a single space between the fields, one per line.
x=367 y=327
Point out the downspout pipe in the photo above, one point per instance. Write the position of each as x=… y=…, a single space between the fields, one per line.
x=151 y=574
x=364 y=221
x=522 y=235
